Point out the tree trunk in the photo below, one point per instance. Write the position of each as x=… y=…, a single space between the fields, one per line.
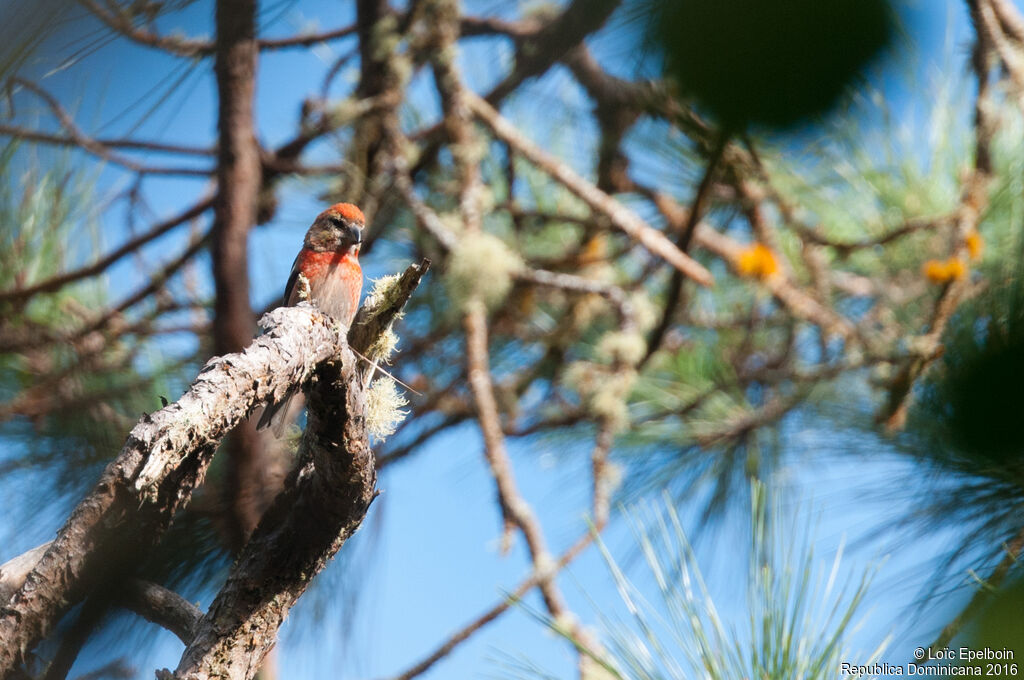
x=255 y=473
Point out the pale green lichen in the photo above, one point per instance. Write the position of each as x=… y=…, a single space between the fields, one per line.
x=609 y=402
x=588 y=309
x=622 y=347
x=604 y=392
x=302 y=284
x=384 y=293
x=611 y=477
x=384 y=37
x=645 y=313
x=402 y=70
x=451 y=221
x=384 y=410
x=344 y=112
x=581 y=376
x=485 y=198
x=481 y=265
x=472 y=151
x=408 y=151
x=384 y=346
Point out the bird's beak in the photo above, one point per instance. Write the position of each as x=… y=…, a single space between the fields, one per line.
x=358 y=235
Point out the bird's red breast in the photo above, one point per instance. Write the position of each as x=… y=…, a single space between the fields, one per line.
x=315 y=264
x=335 y=281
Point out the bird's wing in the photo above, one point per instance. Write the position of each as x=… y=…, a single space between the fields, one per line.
x=289 y=288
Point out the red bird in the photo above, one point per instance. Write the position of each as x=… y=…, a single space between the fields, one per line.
x=329 y=261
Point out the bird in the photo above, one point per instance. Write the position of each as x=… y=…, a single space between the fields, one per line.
x=329 y=264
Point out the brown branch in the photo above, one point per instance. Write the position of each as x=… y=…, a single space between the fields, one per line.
x=165 y=457
x=157 y=281
x=514 y=509
x=1010 y=19
x=425 y=217
x=538 y=51
x=910 y=226
x=973 y=200
x=307 y=40
x=96 y=148
x=378 y=45
x=196 y=48
x=987 y=23
x=322 y=505
x=324 y=501
x=285 y=158
x=163 y=460
x=741 y=425
x=238 y=172
x=621 y=216
x=457 y=122
x=123 y=24
x=577 y=284
x=106 y=142
x=488 y=26
x=75 y=637
x=161 y=606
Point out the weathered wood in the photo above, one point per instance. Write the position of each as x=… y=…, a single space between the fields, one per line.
x=167 y=454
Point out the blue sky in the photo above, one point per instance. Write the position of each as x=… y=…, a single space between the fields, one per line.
x=428 y=558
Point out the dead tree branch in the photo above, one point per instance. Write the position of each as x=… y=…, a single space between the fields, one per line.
x=161 y=606
x=166 y=456
x=323 y=503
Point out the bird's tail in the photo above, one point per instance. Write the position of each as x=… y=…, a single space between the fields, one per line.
x=278 y=415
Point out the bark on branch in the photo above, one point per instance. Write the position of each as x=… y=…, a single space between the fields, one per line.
x=163 y=607
x=324 y=501
x=167 y=454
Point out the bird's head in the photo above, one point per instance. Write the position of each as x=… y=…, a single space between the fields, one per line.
x=337 y=229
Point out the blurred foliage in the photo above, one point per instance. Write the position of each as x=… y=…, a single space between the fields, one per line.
x=998 y=626
x=25 y=25
x=801 y=609
x=77 y=390
x=963 y=428
x=69 y=397
x=695 y=416
x=771 y=62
